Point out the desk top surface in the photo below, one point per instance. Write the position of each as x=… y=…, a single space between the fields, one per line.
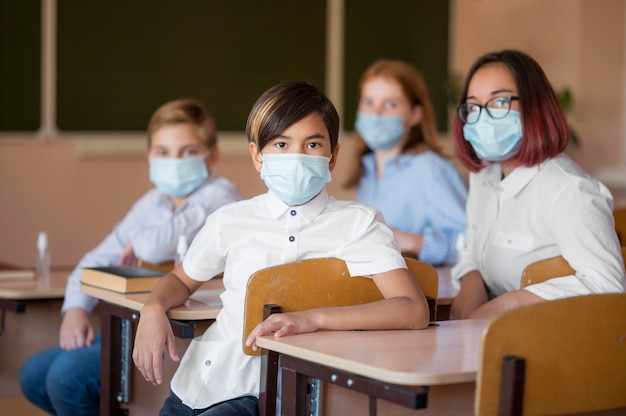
x=205 y=303
x=30 y=289
x=444 y=354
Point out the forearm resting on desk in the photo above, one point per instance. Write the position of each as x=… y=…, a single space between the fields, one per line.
x=472 y=295
x=335 y=318
x=505 y=302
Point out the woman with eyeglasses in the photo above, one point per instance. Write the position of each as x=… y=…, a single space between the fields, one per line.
x=527 y=201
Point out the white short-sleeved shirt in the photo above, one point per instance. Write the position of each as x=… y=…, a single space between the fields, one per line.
x=254 y=234
x=153 y=227
x=538 y=212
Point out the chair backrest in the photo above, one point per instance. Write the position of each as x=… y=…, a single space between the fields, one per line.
x=543 y=270
x=316 y=283
x=574 y=353
x=619 y=215
x=164 y=267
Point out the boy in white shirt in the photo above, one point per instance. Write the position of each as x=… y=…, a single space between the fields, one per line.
x=292 y=130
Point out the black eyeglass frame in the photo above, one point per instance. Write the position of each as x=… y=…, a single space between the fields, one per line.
x=465 y=107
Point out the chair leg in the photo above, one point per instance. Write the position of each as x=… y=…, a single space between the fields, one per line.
x=269 y=373
x=512 y=386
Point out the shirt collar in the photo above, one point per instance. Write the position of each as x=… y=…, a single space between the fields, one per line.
x=515 y=181
x=402 y=160
x=165 y=199
x=310 y=210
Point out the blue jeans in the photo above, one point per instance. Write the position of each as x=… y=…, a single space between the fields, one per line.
x=64 y=383
x=241 y=406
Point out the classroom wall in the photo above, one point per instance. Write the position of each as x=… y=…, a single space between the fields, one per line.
x=77 y=197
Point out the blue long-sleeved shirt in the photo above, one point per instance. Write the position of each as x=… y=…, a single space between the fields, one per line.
x=419 y=193
x=153 y=228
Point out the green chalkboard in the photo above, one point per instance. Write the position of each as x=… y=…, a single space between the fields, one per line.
x=20 y=62
x=119 y=60
x=415 y=31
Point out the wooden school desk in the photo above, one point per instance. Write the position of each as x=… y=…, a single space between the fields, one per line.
x=119 y=313
x=29 y=323
x=386 y=364
x=14 y=294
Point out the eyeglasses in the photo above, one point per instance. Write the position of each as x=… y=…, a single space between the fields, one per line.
x=469 y=113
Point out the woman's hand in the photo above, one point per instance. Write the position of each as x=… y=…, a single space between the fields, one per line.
x=154 y=334
x=409 y=242
x=471 y=296
x=76 y=330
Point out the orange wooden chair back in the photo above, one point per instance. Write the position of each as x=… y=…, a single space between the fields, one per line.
x=573 y=351
x=316 y=283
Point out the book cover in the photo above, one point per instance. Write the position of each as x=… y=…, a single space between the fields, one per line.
x=122 y=279
x=11 y=272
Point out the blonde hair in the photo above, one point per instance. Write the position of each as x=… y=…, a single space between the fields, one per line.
x=187 y=111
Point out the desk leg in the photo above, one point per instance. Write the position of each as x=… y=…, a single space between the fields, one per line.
x=16 y=306
x=111 y=383
x=293 y=395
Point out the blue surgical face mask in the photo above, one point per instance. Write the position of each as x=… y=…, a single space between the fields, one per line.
x=380 y=132
x=178 y=176
x=494 y=139
x=295 y=178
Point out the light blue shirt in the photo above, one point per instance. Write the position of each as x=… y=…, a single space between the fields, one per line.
x=153 y=228
x=422 y=194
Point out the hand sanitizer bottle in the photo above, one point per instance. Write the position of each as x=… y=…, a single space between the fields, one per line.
x=181 y=249
x=43 y=258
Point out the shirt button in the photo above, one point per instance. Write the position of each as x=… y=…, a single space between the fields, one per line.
x=293 y=212
x=208 y=363
x=292 y=238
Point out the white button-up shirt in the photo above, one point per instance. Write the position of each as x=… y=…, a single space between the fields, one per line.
x=538 y=212
x=258 y=233
x=153 y=227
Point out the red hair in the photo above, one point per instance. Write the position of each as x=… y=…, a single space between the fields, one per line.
x=545 y=133
x=414 y=88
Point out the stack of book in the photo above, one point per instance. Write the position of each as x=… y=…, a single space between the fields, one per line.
x=9 y=272
x=122 y=279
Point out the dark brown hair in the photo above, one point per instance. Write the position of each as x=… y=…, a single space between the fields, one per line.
x=284 y=105
x=544 y=127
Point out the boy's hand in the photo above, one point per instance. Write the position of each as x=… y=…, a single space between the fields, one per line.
x=282 y=324
x=76 y=330
x=154 y=334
